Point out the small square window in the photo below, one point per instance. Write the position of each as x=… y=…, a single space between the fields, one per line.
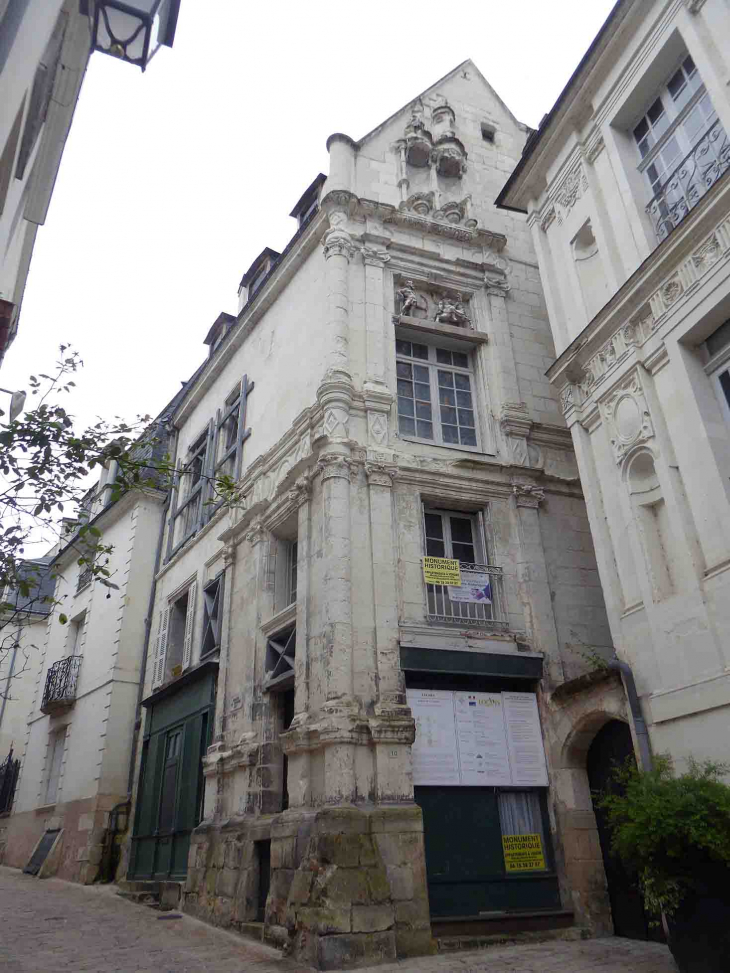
x=488 y=132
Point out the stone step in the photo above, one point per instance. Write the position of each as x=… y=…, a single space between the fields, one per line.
x=466 y=941
x=141 y=898
x=163 y=895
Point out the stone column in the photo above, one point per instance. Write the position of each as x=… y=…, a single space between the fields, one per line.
x=533 y=577
x=299 y=769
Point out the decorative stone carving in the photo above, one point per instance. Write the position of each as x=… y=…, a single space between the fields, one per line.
x=571 y=189
x=420 y=203
x=451 y=311
x=515 y=423
x=338 y=242
x=302 y=492
x=408 y=300
x=335 y=397
x=671 y=291
x=256 y=532
x=229 y=554
x=333 y=465
x=547 y=218
x=626 y=414
x=377 y=428
x=595 y=150
x=496 y=283
x=528 y=495
x=449 y=157
x=706 y=255
x=567 y=398
x=380 y=474
x=694 y=6
x=373 y=257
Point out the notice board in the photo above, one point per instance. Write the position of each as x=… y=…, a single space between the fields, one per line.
x=477 y=739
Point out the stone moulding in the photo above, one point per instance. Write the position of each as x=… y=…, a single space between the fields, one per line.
x=626 y=414
x=590 y=370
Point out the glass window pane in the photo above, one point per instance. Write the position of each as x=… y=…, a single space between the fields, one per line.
x=448 y=414
x=451 y=434
x=406 y=426
x=461 y=529
x=420 y=373
x=462 y=381
x=443 y=357
x=435 y=548
x=403 y=369
x=402 y=347
x=405 y=388
x=423 y=392
x=446 y=379
x=463 y=552
x=463 y=399
x=420 y=351
x=689 y=65
x=434 y=525
x=423 y=410
x=520 y=813
x=641 y=130
x=676 y=83
x=405 y=406
x=447 y=397
x=460 y=359
x=468 y=437
x=424 y=429
x=655 y=112
x=466 y=417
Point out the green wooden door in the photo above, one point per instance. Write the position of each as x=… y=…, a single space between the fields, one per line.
x=465 y=861
x=170 y=793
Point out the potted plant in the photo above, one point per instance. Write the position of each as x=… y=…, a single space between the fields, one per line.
x=674 y=833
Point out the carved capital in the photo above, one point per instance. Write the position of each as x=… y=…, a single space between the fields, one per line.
x=229 y=554
x=528 y=495
x=331 y=466
x=256 y=532
x=497 y=285
x=380 y=474
x=567 y=398
x=374 y=258
x=338 y=243
x=595 y=149
x=302 y=492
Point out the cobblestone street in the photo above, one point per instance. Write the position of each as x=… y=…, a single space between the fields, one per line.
x=54 y=925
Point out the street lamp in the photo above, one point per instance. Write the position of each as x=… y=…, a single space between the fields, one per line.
x=134 y=30
x=17 y=403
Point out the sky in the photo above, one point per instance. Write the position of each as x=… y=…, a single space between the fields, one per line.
x=174 y=180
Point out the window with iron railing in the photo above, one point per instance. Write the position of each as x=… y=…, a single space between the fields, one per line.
x=59 y=691
x=480 y=599
x=683 y=148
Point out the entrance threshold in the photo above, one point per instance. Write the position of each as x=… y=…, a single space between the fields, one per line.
x=501 y=923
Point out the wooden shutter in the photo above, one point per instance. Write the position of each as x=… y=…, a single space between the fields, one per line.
x=189 y=624
x=158 y=668
x=243 y=432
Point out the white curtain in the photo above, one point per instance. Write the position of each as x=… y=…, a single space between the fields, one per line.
x=519 y=813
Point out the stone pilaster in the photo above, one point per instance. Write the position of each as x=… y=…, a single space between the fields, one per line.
x=533 y=576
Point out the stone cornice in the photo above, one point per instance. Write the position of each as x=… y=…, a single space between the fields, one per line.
x=649 y=304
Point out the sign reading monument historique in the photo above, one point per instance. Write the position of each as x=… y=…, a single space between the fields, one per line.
x=441 y=570
x=477 y=739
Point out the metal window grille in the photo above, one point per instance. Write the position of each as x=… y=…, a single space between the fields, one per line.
x=61 y=680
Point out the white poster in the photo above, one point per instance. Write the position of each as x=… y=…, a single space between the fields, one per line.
x=481 y=738
x=475 y=587
x=435 y=752
x=477 y=739
x=524 y=740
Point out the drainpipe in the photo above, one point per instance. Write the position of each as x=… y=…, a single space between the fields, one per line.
x=10 y=673
x=146 y=646
x=642 y=734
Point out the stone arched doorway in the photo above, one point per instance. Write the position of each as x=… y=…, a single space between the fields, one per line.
x=612 y=745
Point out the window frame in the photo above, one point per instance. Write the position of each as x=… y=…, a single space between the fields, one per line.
x=213 y=595
x=479 y=539
x=159 y=675
x=434 y=344
x=59 y=739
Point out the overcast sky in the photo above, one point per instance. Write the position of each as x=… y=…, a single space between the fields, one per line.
x=175 y=179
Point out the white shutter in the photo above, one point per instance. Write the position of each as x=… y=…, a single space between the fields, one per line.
x=158 y=666
x=189 y=622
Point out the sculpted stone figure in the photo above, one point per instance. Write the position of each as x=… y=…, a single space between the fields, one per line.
x=407 y=297
x=451 y=311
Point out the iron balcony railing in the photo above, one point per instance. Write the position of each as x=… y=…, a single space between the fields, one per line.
x=489 y=612
x=694 y=176
x=60 y=689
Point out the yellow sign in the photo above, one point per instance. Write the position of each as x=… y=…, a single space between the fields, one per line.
x=441 y=570
x=523 y=852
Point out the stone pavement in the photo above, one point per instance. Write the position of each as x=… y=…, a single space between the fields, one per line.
x=53 y=925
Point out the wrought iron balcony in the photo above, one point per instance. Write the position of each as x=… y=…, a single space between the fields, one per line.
x=694 y=176
x=488 y=612
x=85 y=577
x=60 y=689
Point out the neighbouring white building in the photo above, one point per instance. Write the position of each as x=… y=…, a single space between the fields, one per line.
x=44 y=49
x=627 y=192
x=380 y=399
x=80 y=722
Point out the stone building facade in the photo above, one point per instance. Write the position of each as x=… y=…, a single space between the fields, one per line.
x=627 y=192
x=79 y=722
x=379 y=398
